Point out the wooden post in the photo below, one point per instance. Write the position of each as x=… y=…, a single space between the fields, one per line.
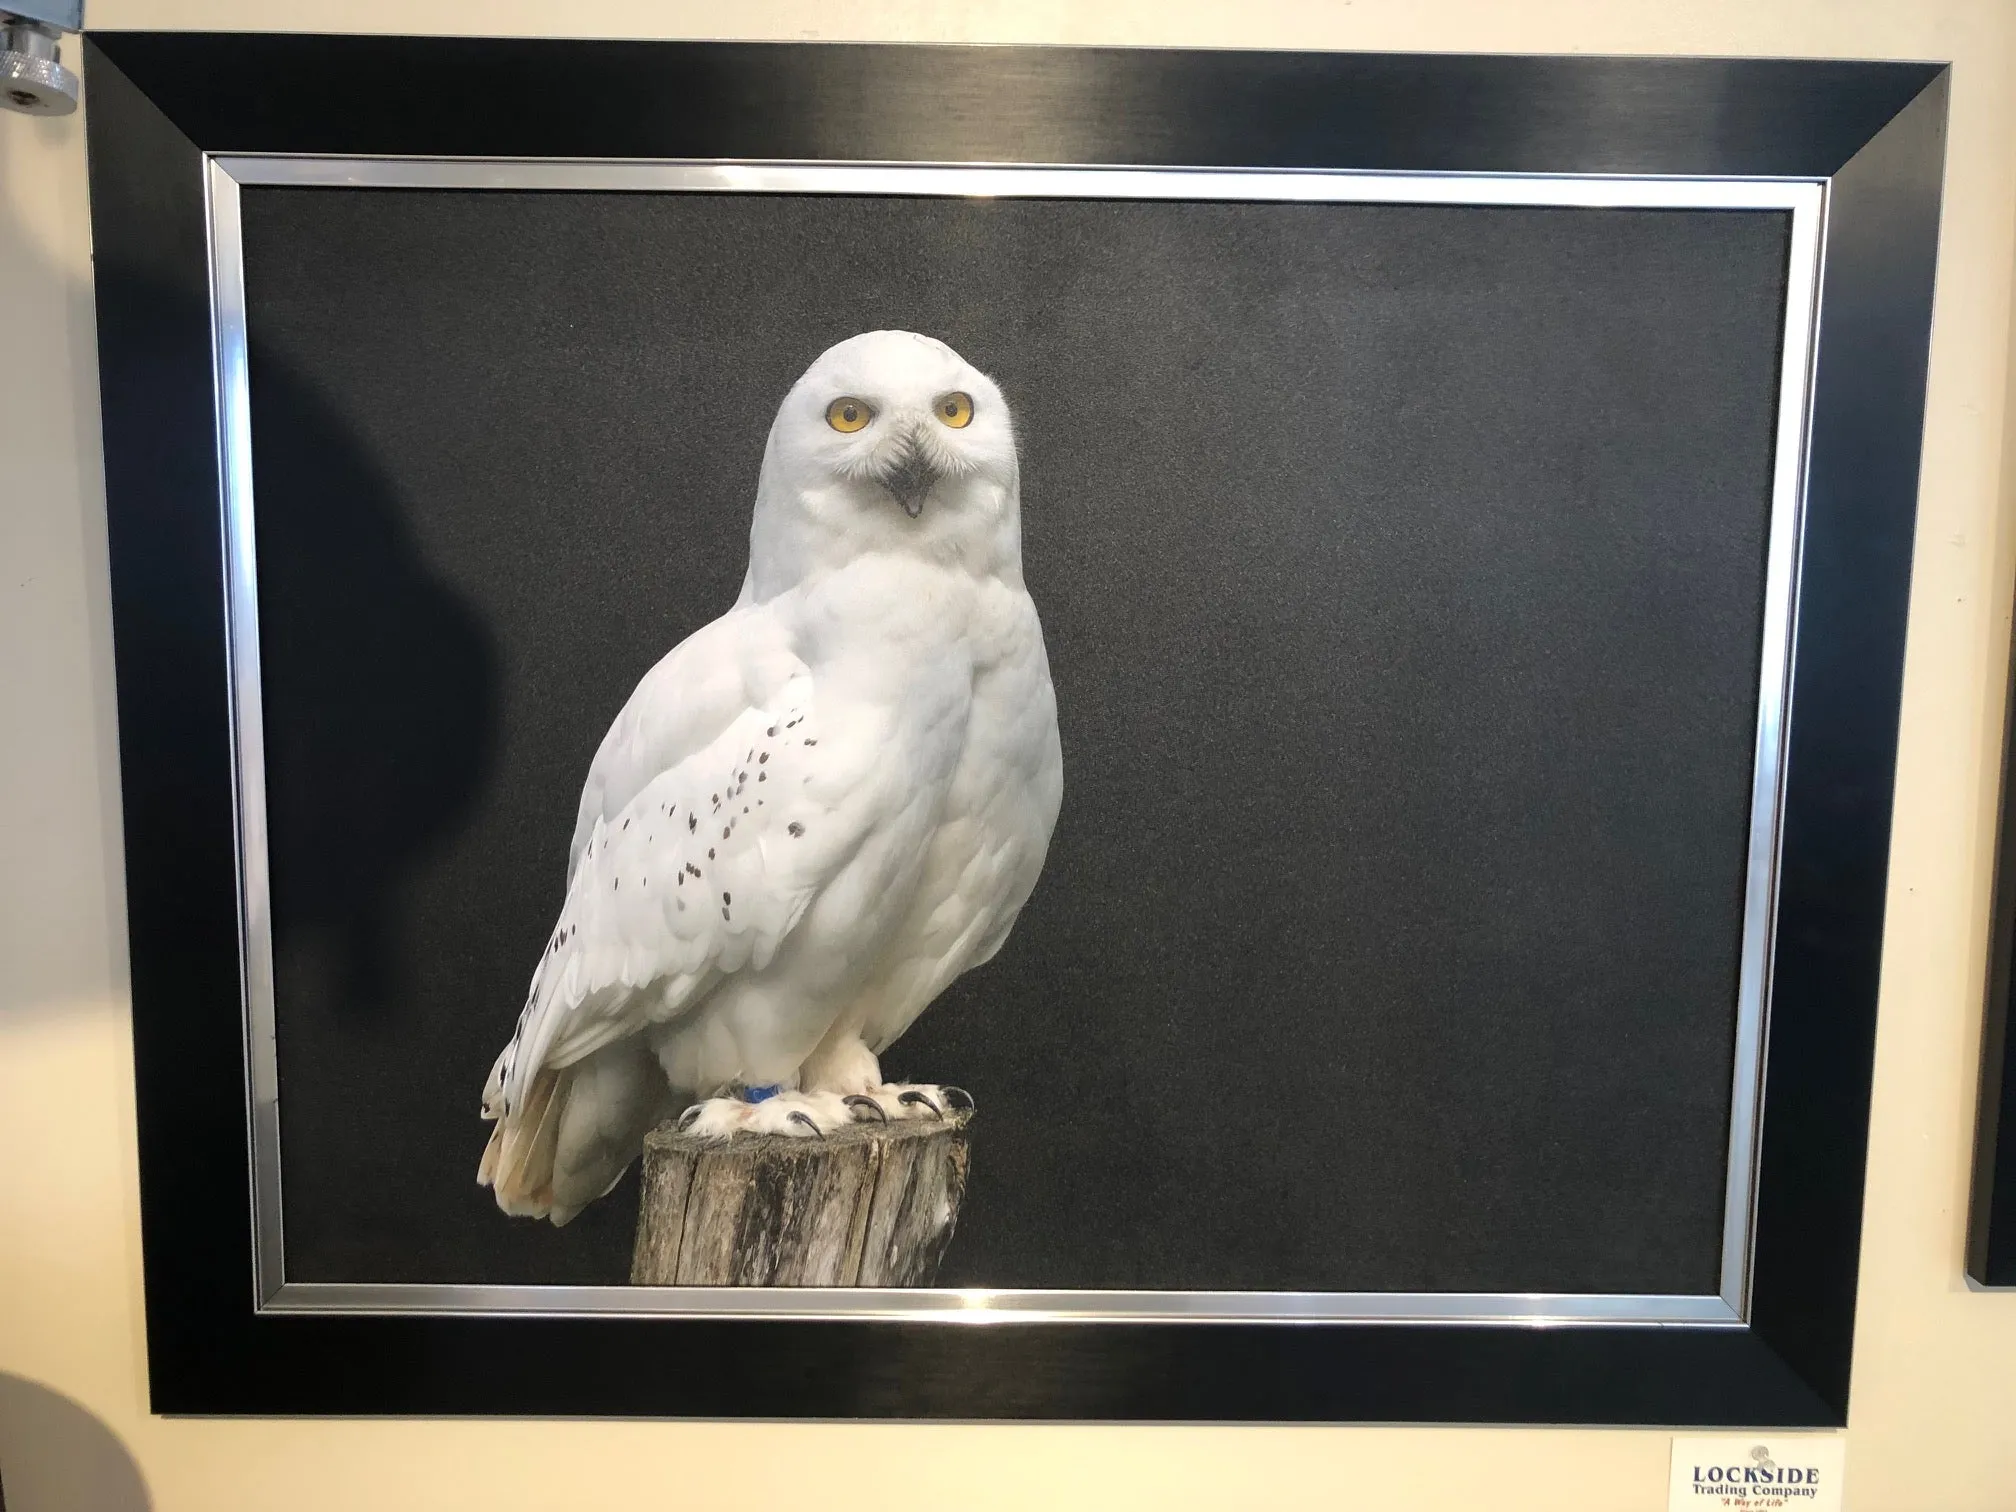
x=869 y=1205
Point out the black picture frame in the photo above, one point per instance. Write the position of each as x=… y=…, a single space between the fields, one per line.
x=161 y=103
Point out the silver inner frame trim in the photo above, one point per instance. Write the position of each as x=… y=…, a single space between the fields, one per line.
x=1804 y=199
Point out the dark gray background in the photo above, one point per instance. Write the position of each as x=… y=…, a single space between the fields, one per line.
x=1411 y=557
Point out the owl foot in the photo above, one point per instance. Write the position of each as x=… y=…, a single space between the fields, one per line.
x=795 y=1115
x=899 y=1100
x=813 y=1115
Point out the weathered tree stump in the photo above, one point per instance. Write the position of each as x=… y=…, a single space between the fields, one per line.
x=869 y=1205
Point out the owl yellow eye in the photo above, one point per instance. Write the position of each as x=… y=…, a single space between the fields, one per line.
x=956 y=409
x=848 y=415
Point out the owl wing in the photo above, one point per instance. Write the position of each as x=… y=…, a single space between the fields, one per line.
x=705 y=872
x=702 y=873
x=740 y=662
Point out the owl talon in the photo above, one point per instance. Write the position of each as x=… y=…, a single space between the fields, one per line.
x=800 y=1118
x=957 y=1098
x=922 y=1100
x=874 y=1108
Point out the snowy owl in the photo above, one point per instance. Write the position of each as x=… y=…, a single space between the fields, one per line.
x=812 y=814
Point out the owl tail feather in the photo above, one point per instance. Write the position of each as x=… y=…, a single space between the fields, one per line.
x=518 y=1161
x=575 y=1133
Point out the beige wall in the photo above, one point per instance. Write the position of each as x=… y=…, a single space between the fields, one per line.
x=1934 y=1420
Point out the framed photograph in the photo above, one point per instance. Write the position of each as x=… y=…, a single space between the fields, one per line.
x=867 y=731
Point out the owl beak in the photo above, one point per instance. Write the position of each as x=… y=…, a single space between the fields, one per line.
x=910 y=478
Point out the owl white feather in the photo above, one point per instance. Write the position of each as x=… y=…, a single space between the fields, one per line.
x=815 y=812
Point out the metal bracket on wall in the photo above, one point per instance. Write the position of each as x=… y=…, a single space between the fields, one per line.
x=33 y=79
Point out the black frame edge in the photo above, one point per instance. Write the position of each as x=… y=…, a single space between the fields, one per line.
x=1863 y=468
x=1402 y=112
x=164 y=523
x=1991 y=1218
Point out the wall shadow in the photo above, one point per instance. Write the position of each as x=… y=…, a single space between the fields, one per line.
x=57 y=1456
x=62 y=929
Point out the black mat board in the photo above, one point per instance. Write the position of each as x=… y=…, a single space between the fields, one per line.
x=1402 y=572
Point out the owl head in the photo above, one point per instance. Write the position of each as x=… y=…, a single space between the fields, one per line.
x=890 y=442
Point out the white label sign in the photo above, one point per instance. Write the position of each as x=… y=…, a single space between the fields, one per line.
x=1783 y=1471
